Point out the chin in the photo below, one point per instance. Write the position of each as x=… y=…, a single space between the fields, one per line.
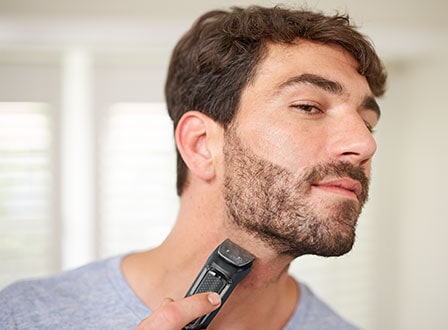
x=325 y=242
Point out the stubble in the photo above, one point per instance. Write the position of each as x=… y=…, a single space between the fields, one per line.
x=275 y=205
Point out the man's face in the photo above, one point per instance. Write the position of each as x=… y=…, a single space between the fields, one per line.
x=298 y=154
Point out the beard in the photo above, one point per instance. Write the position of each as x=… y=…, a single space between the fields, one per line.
x=274 y=205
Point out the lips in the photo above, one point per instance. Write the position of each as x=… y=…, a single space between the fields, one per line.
x=343 y=186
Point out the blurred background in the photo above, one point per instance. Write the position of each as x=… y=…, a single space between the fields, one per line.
x=87 y=165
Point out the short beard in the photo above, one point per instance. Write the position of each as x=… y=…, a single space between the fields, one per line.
x=274 y=205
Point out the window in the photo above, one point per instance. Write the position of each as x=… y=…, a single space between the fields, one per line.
x=138 y=201
x=27 y=229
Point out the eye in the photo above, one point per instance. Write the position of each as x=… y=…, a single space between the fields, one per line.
x=369 y=127
x=307 y=108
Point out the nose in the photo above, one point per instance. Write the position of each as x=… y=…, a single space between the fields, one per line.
x=352 y=141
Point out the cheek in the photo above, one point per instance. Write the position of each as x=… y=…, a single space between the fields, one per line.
x=289 y=148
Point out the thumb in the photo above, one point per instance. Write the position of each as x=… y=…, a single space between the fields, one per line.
x=174 y=315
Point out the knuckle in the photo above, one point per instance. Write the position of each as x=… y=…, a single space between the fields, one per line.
x=170 y=315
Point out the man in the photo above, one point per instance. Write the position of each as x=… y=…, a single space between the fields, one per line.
x=273 y=112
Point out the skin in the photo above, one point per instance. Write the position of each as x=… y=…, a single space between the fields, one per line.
x=290 y=122
x=276 y=205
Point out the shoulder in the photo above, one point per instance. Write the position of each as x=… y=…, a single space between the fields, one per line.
x=314 y=314
x=74 y=295
x=67 y=285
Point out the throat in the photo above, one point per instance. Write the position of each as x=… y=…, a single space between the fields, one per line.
x=274 y=306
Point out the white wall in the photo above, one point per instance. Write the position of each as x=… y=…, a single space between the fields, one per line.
x=422 y=199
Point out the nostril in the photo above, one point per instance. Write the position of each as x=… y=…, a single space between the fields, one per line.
x=364 y=162
x=356 y=158
x=350 y=153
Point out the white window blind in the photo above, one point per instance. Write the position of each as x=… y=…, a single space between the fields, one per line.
x=137 y=171
x=27 y=232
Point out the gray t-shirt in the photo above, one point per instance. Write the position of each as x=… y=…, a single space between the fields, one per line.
x=97 y=296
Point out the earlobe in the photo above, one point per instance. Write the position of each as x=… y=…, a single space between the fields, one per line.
x=193 y=138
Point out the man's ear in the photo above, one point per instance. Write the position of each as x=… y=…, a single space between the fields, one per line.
x=195 y=136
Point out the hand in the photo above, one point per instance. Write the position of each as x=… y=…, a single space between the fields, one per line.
x=174 y=315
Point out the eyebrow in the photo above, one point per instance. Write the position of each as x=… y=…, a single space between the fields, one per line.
x=330 y=86
x=307 y=78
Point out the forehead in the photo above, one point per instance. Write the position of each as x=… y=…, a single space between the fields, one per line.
x=287 y=67
x=303 y=56
x=282 y=62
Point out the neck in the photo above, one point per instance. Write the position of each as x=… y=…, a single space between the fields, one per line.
x=170 y=269
x=191 y=242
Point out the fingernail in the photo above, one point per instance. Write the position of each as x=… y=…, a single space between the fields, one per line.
x=214 y=299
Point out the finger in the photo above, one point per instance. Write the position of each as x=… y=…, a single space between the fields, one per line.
x=166 y=301
x=174 y=315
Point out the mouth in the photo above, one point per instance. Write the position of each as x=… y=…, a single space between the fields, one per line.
x=344 y=187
